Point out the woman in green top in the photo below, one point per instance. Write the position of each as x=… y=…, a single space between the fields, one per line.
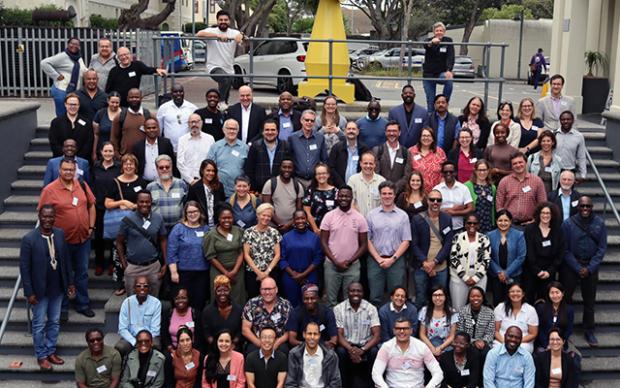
x=223 y=248
x=483 y=194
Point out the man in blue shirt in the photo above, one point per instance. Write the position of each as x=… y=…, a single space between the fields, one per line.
x=229 y=154
x=69 y=148
x=307 y=148
x=445 y=124
x=372 y=127
x=586 y=243
x=509 y=365
x=566 y=197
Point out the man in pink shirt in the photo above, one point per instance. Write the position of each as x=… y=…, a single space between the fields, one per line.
x=344 y=240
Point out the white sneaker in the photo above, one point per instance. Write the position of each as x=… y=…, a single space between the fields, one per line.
x=222 y=106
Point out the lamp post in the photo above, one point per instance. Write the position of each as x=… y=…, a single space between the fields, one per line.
x=520 y=17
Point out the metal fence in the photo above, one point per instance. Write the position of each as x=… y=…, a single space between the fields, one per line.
x=23 y=48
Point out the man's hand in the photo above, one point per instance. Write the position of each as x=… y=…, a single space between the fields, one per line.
x=32 y=299
x=341 y=267
x=60 y=77
x=239 y=38
x=448 y=75
x=71 y=292
x=479 y=344
x=161 y=72
x=584 y=273
x=428 y=265
x=470 y=282
x=435 y=41
x=502 y=277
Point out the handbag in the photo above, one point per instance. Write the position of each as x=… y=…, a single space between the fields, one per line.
x=112 y=218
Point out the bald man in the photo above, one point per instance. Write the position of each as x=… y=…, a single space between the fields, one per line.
x=249 y=115
x=288 y=119
x=91 y=97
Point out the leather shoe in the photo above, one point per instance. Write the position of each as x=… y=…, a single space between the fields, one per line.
x=64 y=316
x=87 y=312
x=591 y=339
x=54 y=359
x=44 y=365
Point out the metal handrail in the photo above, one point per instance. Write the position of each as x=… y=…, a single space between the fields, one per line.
x=602 y=184
x=9 y=309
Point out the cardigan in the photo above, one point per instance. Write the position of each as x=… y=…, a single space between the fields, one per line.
x=459 y=257
x=481 y=329
x=543 y=370
x=237 y=373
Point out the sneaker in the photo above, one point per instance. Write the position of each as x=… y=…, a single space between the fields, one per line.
x=591 y=339
x=87 y=312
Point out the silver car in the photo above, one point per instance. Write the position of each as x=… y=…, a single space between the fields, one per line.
x=390 y=58
x=463 y=67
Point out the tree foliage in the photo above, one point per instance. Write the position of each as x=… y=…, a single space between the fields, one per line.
x=98 y=21
x=507 y=11
x=23 y=17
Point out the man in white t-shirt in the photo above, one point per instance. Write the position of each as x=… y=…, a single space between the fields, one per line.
x=221 y=51
x=457 y=200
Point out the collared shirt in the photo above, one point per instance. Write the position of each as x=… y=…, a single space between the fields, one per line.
x=271 y=153
x=230 y=159
x=365 y=193
x=405 y=368
x=139 y=249
x=286 y=125
x=353 y=159
x=392 y=152
x=307 y=152
x=192 y=150
x=134 y=317
x=344 y=229
x=151 y=152
x=169 y=204
x=90 y=105
x=501 y=370
x=357 y=325
x=556 y=102
x=385 y=229
x=255 y=312
x=571 y=149
x=102 y=68
x=566 y=204
x=526 y=317
x=441 y=129
x=458 y=194
x=520 y=197
x=245 y=122
x=185 y=248
x=98 y=372
x=313 y=369
x=173 y=120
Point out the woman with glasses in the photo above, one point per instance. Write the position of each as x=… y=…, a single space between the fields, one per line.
x=183 y=367
x=498 y=154
x=531 y=126
x=545 y=163
x=482 y=192
x=555 y=368
x=208 y=192
x=505 y=113
x=469 y=260
x=427 y=158
x=413 y=199
x=475 y=118
x=144 y=366
x=102 y=122
x=222 y=313
x=71 y=125
x=320 y=197
x=186 y=262
x=122 y=193
x=515 y=311
x=438 y=322
x=180 y=315
x=465 y=155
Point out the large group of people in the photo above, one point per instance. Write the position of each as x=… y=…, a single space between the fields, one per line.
x=302 y=249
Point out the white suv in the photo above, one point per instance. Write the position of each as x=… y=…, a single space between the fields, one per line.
x=274 y=57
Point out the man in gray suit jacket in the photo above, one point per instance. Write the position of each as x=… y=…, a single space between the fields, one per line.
x=550 y=107
x=391 y=156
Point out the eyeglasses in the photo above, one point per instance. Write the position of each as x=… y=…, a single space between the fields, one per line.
x=142 y=286
x=402 y=328
x=438 y=200
x=163 y=167
x=96 y=339
x=585 y=206
x=309 y=120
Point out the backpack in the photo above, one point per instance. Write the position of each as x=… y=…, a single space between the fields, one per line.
x=123 y=116
x=296 y=184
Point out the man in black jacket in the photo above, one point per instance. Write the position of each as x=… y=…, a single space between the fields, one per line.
x=265 y=156
x=344 y=158
x=155 y=145
x=249 y=115
x=288 y=119
x=445 y=124
x=438 y=63
x=566 y=197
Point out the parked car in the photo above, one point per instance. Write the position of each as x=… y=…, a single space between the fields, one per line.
x=279 y=57
x=357 y=55
x=390 y=58
x=463 y=67
x=199 y=51
x=544 y=74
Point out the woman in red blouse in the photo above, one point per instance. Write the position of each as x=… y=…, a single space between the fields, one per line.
x=427 y=158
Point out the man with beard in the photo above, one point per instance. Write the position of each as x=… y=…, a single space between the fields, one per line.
x=445 y=124
x=312 y=311
x=103 y=61
x=344 y=158
x=288 y=119
x=147 y=150
x=221 y=51
x=212 y=118
x=91 y=97
x=509 y=365
x=410 y=116
x=372 y=126
x=265 y=156
x=193 y=149
x=391 y=155
x=128 y=125
x=173 y=116
x=566 y=198
x=168 y=192
x=99 y=366
x=285 y=193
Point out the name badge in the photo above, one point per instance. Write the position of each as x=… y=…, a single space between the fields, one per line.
x=146 y=224
x=151 y=373
x=131 y=74
x=329 y=202
x=556 y=371
x=80 y=172
x=190 y=324
x=548 y=169
x=231 y=378
x=235 y=153
x=490 y=198
x=527 y=189
x=312 y=147
x=208 y=121
x=407 y=365
x=240 y=223
x=418 y=205
x=137 y=188
x=75 y=201
x=229 y=237
x=443 y=49
x=101 y=369
x=355 y=158
x=563 y=103
x=446 y=230
x=141 y=128
x=417 y=120
x=81 y=122
x=465 y=372
x=518 y=370
x=190 y=366
x=546 y=243
x=176 y=195
x=200 y=233
x=286 y=125
x=365 y=321
x=322 y=327
x=473 y=160
x=417 y=157
x=399 y=160
x=574 y=203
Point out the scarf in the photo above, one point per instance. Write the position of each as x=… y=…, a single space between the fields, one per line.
x=75 y=72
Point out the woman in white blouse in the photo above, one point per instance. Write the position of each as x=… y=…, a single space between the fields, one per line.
x=514 y=311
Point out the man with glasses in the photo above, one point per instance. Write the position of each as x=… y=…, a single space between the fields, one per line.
x=586 y=243
x=99 y=366
x=372 y=126
x=457 y=200
x=307 y=148
x=149 y=149
x=229 y=154
x=173 y=116
x=401 y=360
x=267 y=309
x=140 y=311
x=431 y=240
x=391 y=156
x=168 y=192
x=193 y=148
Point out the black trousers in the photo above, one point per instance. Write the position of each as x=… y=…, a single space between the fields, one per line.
x=356 y=375
x=197 y=285
x=570 y=279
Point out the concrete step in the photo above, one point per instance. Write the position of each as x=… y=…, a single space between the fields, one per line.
x=9 y=273
x=30 y=170
x=69 y=343
x=18 y=315
x=12 y=218
x=61 y=372
x=37 y=157
x=27 y=186
x=67 y=383
x=100 y=295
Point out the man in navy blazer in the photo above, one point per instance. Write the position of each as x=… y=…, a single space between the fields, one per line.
x=69 y=148
x=410 y=116
x=430 y=265
x=164 y=147
x=249 y=115
x=46 y=278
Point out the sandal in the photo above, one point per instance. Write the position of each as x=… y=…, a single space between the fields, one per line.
x=119 y=292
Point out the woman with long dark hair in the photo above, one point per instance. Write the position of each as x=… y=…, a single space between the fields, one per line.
x=427 y=158
x=413 y=199
x=224 y=367
x=515 y=311
x=102 y=122
x=438 y=322
x=208 y=192
x=554 y=312
x=183 y=368
x=505 y=114
x=465 y=155
x=475 y=118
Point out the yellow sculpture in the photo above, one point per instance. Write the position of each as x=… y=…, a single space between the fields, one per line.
x=328 y=24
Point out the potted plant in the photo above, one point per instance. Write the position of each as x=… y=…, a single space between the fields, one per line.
x=595 y=89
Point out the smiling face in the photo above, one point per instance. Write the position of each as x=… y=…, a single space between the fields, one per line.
x=144 y=203
x=141 y=287
x=144 y=343
x=527 y=107
x=512 y=338
x=164 y=168
x=47 y=216
x=345 y=196
x=434 y=201
x=351 y=131
x=124 y=56
x=72 y=104
x=426 y=138
x=505 y=113
x=222 y=294
x=482 y=171
x=555 y=295
x=67 y=171
x=185 y=343
x=449 y=173
x=476 y=298
x=128 y=167
x=321 y=174
x=90 y=80
x=415 y=182
x=408 y=95
x=330 y=105
x=312 y=335
x=195 y=124
x=398 y=298
x=285 y=101
x=267 y=339
x=208 y=173
x=224 y=343
x=472 y=225
x=585 y=207
x=114 y=103
x=245 y=96
x=270 y=132
x=460 y=344
x=387 y=196
x=501 y=133
x=178 y=94
x=392 y=133
x=367 y=163
x=286 y=169
x=556 y=86
x=465 y=139
x=438 y=298
x=545 y=215
x=567 y=180
x=546 y=144
x=231 y=129
x=223 y=21
x=503 y=223
x=556 y=343
x=242 y=188
x=105 y=48
x=95 y=342
x=441 y=105
x=181 y=300
x=268 y=290
x=226 y=219
x=151 y=129
x=69 y=148
x=475 y=105
x=402 y=331
x=355 y=292
x=373 y=109
x=264 y=218
x=518 y=164
x=192 y=213
x=213 y=98
x=73 y=46
x=516 y=294
x=566 y=121
x=300 y=220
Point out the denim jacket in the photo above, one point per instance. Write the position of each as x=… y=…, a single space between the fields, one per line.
x=516 y=252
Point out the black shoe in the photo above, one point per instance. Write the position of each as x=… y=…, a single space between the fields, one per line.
x=87 y=312
x=591 y=339
x=64 y=316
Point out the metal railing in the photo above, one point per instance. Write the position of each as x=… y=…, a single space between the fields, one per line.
x=407 y=45
x=608 y=199
x=9 y=309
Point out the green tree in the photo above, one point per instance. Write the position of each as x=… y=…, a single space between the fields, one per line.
x=98 y=21
x=507 y=11
x=303 y=25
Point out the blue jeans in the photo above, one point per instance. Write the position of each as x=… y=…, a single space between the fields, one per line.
x=423 y=284
x=79 y=255
x=430 y=89
x=59 y=100
x=45 y=331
